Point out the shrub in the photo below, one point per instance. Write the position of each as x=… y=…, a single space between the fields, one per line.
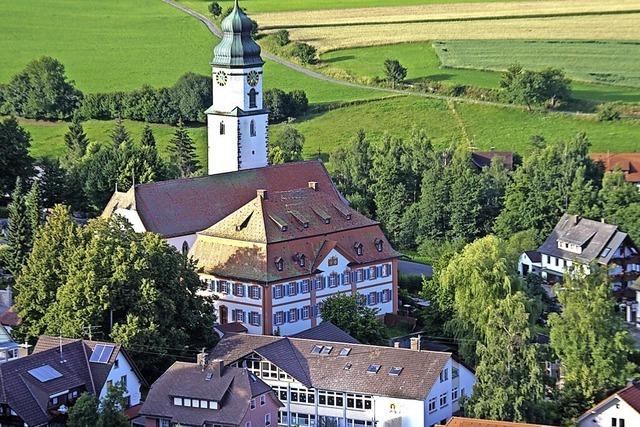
x=305 y=53
x=608 y=113
x=394 y=71
x=282 y=105
x=215 y=9
x=282 y=37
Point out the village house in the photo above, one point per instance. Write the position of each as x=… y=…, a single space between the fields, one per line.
x=621 y=409
x=211 y=395
x=37 y=390
x=326 y=378
x=272 y=242
x=483 y=159
x=576 y=240
x=9 y=349
x=627 y=163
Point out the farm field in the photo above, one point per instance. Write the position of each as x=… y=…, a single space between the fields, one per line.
x=433 y=12
x=259 y=6
x=104 y=45
x=581 y=60
x=487 y=127
x=48 y=137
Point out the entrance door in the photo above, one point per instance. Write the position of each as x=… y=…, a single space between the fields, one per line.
x=224 y=315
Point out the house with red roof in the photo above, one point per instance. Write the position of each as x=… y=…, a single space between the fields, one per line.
x=272 y=242
x=627 y=163
x=621 y=409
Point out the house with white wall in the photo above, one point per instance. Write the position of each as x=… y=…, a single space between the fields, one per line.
x=581 y=241
x=39 y=389
x=338 y=382
x=621 y=409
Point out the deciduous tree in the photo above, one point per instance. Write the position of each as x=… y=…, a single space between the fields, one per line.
x=350 y=313
x=84 y=412
x=287 y=147
x=15 y=160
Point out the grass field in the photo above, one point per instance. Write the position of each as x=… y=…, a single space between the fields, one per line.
x=259 y=6
x=48 y=137
x=485 y=126
x=428 y=11
x=588 y=61
x=104 y=45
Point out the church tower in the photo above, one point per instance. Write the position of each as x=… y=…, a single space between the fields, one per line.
x=237 y=121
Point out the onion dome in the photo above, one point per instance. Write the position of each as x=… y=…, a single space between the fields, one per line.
x=237 y=48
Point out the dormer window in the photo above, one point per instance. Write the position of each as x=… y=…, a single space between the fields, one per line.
x=358 y=248
x=301 y=259
x=378 y=243
x=279 y=264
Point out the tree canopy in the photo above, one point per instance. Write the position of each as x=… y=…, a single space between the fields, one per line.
x=15 y=160
x=350 y=313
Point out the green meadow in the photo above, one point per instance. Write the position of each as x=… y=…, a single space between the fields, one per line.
x=478 y=63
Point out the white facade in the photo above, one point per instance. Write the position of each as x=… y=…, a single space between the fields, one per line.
x=528 y=266
x=612 y=409
x=288 y=307
x=237 y=121
x=312 y=407
x=123 y=371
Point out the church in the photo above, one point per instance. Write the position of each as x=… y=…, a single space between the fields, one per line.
x=271 y=242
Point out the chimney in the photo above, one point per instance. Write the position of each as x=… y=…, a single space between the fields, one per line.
x=396 y=344
x=415 y=343
x=201 y=359
x=576 y=219
x=218 y=366
x=262 y=194
x=313 y=185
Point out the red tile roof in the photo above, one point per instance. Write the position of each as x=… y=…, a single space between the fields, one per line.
x=629 y=163
x=185 y=206
x=631 y=395
x=476 y=422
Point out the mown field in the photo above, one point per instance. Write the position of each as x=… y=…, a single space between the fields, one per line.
x=487 y=127
x=618 y=62
x=433 y=12
x=104 y=45
x=259 y=6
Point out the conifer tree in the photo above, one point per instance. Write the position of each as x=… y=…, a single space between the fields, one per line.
x=33 y=203
x=183 y=152
x=119 y=134
x=19 y=230
x=76 y=141
x=147 y=140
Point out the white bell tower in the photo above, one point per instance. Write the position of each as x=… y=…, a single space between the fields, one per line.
x=237 y=121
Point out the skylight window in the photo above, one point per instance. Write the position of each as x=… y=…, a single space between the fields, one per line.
x=102 y=353
x=45 y=373
x=326 y=350
x=395 y=371
x=606 y=251
x=317 y=349
x=347 y=366
x=345 y=351
x=373 y=369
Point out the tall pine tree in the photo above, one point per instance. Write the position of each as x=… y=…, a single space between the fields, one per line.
x=76 y=141
x=19 y=230
x=147 y=140
x=183 y=152
x=119 y=134
x=33 y=202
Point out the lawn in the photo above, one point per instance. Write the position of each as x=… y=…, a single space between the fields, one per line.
x=589 y=61
x=48 y=137
x=104 y=45
x=259 y=6
x=487 y=127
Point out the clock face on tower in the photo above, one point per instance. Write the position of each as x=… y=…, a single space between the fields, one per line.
x=221 y=78
x=253 y=78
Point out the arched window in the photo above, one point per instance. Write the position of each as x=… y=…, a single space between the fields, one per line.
x=185 y=248
x=221 y=128
x=252 y=128
x=252 y=98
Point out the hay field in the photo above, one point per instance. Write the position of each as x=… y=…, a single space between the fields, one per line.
x=436 y=12
x=599 y=27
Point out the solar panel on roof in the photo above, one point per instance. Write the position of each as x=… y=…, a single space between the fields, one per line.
x=101 y=354
x=45 y=373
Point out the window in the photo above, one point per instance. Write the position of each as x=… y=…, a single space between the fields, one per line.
x=373 y=369
x=379 y=244
x=444 y=375
x=123 y=380
x=247 y=424
x=305 y=286
x=333 y=280
x=279 y=264
x=358 y=247
x=263 y=400
x=252 y=98
x=254 y=318
x=306 y=312
x=116 y=363
x=252 y=128
x=278 y=291
x=326 y=350
x=238 y=289
x=443 y=400
x=221 y=128
x=333 y=261
x=293 y=315
x=292 y=289
x=454 y=394
x=345 y=351
x=177 y=401
x=278 y=318
x=395 y=371
x=317 y=349
x=254 y=292
x=185 y=248
x=548 y=259
x=267 y=420
x=165 y=423
x=253 y=404
x=237 y=315
x=319 y=283
x=432 y=404
x=301 y=260
x=455 y=372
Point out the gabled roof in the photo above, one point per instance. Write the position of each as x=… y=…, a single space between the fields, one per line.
x=630 y=394
x=476 y=422
x=593 y=236
x=185 y=206
x=534 y=256
x=420 y=369
x=232 y=387
x=326 y=331
x=482 y=159
x=629 y=163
